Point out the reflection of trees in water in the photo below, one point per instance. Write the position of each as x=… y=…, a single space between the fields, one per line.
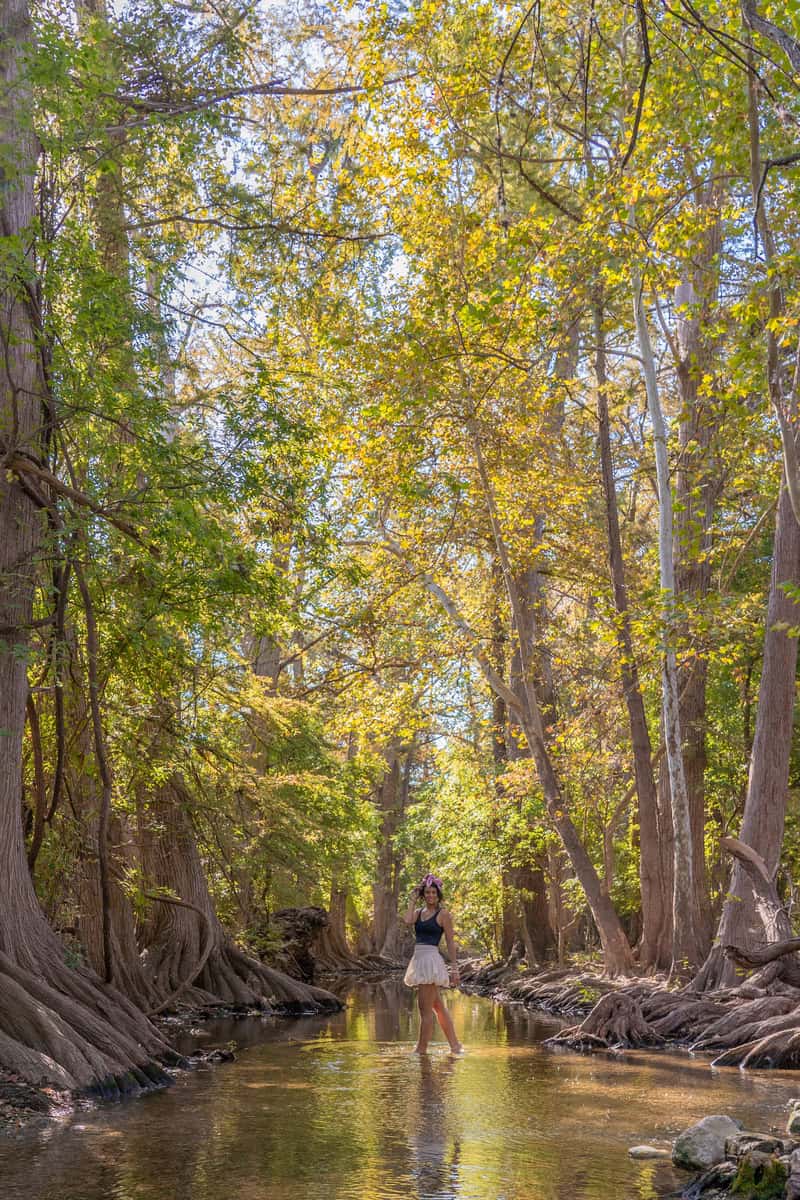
x=391 y=1012
x=380 y=1010
x=435 y=1146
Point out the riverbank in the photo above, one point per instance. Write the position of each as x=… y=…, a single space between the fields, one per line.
x=25 y=1106
x=755 y=1025
x=22 y=1105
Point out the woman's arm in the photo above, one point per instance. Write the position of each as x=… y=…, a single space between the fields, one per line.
x=450 y=938
x=410 y=915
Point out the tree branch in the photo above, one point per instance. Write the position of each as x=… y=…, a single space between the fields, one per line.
x=275 y=87
x=782 y=39
x=647 y=62
x=490 y=673
x=20 y=464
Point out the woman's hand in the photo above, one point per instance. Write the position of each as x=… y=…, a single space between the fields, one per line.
x=411 y=911
x=455 y=975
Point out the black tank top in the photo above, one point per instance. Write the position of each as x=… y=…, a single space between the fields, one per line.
x=428 y=932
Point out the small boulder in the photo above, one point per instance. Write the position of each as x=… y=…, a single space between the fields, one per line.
x=703 y=1145
x=793 y=1124
x=746 y=1141
x=648 y=1152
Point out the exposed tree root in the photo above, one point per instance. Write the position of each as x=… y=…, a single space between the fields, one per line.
x=615 y=1022
x=558 y=990
x=71 y=1032
x=189 y=956
x=755 y=1024
x=778 y=1048
x=226 y=975
x=683 y=1018
x=742 y=1022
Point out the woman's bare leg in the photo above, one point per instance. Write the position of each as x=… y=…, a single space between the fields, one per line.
x=446 y=1022
x=426 y=994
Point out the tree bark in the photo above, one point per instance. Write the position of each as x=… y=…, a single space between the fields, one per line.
x=390 y=798
x=57 y=1025
x=744 y=922
x=654 y=897
x=686 y=951
x=176 y=934
x=698 y=484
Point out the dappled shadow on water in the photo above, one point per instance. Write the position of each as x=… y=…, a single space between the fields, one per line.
x=340 y=1109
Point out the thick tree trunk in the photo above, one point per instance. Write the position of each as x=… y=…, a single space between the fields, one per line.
x=57 y=1025
x=188 y=955
x=744 y=922
x=525 y=910
x=531 y=894
x=127 y=973
x=331 y=950
x=654 y=897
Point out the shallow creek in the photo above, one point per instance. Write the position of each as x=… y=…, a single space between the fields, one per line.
x=340 y=1109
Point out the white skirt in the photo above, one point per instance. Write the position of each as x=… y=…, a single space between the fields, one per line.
x=426 y=966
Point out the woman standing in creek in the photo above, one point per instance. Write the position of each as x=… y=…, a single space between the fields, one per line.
x=427 y=971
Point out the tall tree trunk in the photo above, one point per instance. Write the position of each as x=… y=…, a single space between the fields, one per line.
x=331 y=950
x=390 y=798
x=525 y=911
x=744 y=922
x=57 y=1025
x=128 y=974
x=698 y=484
x=655 y=898
x=686 y=950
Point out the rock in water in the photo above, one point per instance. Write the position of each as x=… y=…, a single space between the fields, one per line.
x=793 y=1124
x=703 y=1145
x=648 y=1152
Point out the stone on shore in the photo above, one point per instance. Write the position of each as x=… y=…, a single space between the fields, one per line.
x=702 y=1146
x=746 y=1141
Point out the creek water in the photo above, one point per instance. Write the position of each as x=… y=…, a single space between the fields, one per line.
x=340 y=1109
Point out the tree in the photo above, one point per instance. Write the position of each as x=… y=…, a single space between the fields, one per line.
x=58 y=1024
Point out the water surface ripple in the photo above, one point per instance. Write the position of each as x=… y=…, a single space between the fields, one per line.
x=339 y=1109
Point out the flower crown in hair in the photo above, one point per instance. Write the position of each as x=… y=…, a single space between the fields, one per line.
x=432 y=881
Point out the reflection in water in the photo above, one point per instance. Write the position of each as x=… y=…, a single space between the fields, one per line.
x=434 y=1143
x=340 y=1109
